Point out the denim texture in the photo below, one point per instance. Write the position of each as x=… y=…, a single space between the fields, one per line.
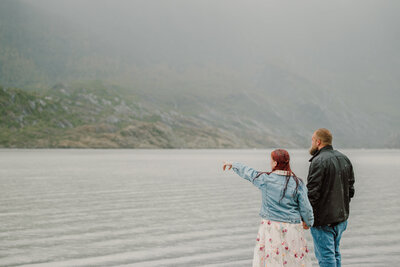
x=293 y=208
x=326 y=244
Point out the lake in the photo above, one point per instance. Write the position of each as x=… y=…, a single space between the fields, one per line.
x=170 y=207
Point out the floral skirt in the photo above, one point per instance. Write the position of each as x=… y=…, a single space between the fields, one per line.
x=281 y=244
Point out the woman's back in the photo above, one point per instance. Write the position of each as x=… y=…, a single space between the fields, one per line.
x=293 y=207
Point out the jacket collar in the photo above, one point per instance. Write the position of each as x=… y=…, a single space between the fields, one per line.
x=280 y=172
x=327 y=147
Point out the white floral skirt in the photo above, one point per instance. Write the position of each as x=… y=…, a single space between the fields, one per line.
x=281 y=244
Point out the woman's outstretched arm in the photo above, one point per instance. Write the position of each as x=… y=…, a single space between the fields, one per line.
x=245 y=172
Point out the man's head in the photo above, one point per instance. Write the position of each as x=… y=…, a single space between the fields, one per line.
x=321 y=137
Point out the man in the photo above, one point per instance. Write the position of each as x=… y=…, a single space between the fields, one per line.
x=330 y=184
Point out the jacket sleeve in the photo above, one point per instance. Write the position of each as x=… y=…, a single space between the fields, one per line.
x=314 y=182
x=306 y=210
x=351 y=182
x=248 y=174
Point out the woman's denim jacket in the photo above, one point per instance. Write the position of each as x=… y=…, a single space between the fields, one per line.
x=293 y=208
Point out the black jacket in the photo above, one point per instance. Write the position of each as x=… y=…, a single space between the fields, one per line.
x=330 y=184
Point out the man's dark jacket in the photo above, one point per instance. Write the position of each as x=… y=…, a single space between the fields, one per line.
x=330 y=184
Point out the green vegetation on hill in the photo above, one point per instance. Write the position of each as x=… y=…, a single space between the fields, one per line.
x=94 y=115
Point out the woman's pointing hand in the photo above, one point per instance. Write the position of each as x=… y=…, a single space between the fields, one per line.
x=227 y=165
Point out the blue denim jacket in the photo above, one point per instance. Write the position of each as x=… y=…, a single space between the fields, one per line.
x=291 y=209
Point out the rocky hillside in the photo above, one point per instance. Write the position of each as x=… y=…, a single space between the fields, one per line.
x=93 y=115
x=100 y=115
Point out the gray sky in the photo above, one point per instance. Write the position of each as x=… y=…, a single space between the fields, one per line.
x=339 y=42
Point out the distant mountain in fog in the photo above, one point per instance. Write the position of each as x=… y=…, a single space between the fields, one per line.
x=205 y=74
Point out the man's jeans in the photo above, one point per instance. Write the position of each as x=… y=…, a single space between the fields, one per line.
x=326 y=244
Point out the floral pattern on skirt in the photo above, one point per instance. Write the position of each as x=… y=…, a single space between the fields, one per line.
x=281 y=244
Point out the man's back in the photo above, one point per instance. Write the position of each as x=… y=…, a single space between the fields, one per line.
x=330 y=186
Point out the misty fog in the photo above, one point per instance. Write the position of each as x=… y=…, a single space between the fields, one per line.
x=334 y=64
x=340 y=36
x=347 y=45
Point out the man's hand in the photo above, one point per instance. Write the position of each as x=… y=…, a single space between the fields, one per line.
x=227 y=165
x=305 y=226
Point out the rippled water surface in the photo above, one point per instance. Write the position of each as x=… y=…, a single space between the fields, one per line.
x=169 y=208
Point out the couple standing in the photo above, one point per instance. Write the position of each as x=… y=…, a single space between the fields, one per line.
x=289 y=206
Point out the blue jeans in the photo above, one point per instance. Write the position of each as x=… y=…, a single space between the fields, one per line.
x=326 y=244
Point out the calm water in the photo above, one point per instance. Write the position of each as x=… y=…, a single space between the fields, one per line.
x=169 y=208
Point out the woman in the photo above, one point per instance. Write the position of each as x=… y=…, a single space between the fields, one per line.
x=280 y=239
